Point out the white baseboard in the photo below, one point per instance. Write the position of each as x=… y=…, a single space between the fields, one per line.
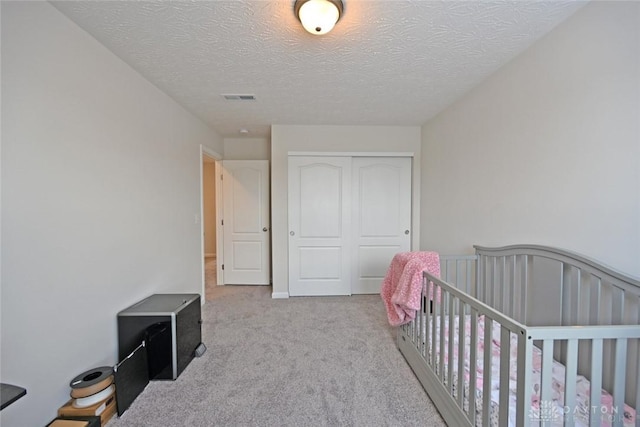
x=280 y=295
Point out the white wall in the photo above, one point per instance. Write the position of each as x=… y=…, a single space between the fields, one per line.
x=388 y=139
x=100 y=191
x=546 y=150
x=246 y=149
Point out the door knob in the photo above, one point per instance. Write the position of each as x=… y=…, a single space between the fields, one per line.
x=264 y=229
x=406 y=231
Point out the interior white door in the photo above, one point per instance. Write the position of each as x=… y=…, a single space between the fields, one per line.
x=381 y=218
x=246 y=222
x=319 y=226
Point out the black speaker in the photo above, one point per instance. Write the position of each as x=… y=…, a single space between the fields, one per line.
x=170 y=324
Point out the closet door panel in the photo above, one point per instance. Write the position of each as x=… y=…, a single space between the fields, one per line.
x=320 y=263
x=381 y=191
x=319 y=226
x=321 y=201
x=380 y=200
x=374 y=262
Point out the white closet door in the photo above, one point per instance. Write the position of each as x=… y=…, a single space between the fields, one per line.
x=381 y=218
x=245 y=188
x=319 y=226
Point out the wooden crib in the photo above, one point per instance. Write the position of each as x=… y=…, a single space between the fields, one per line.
x=563 y=331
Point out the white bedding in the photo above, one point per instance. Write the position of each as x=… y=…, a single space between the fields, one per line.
x=553 y=411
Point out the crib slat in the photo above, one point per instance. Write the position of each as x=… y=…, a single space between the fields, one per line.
x=596 y=295
x=441 y=346
x=414 y=326
x=472 y=290
x=547 y=365
x=436 y=323
x=488 y=287
x=473 y=356
x=428 y=351
x=496 y=292
x=571 y=374
x=479 y=276
x=505 y=356
x=580 y=308
x=451 y=317
x=486 y=373
x=527 y=275
x=619 y=378
x=523 y=387
x=520 y=287
x=617 y=306
x=501 y=304
x=565 y=295
x=434 y=336
x=419 y=322
x=482 y=296
x=596 y=380
x=512 y=280
x=428 y=327
x=482 y=279
x=462 y=327
x=459 y=275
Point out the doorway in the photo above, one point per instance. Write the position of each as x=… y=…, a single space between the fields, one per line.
x=209 y=222
x=210 y=205
x=247 y=225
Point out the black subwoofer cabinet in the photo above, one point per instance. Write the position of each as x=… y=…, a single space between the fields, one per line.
x=170 y=325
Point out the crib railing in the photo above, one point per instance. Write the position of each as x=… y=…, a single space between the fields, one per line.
x=431 y=335
x=454 y=304
x=461 y=270
x=577 y=290
x=547 y=338
x=560 y=305
x=544 y=286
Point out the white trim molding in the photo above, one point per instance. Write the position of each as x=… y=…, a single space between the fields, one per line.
x=352 y=153
x=280 y=295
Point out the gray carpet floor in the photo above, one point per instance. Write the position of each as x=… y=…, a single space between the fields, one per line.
x=312 y=361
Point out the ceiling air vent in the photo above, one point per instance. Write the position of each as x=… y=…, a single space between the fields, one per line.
x=238 y=97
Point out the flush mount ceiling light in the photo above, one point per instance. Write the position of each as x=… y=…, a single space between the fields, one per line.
x=318 y=16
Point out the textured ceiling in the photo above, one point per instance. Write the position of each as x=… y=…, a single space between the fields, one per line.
x=393 y=62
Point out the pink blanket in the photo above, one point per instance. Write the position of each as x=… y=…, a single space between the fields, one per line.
x=402 y=285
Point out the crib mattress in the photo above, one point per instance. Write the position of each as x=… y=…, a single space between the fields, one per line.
x=554 y=411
